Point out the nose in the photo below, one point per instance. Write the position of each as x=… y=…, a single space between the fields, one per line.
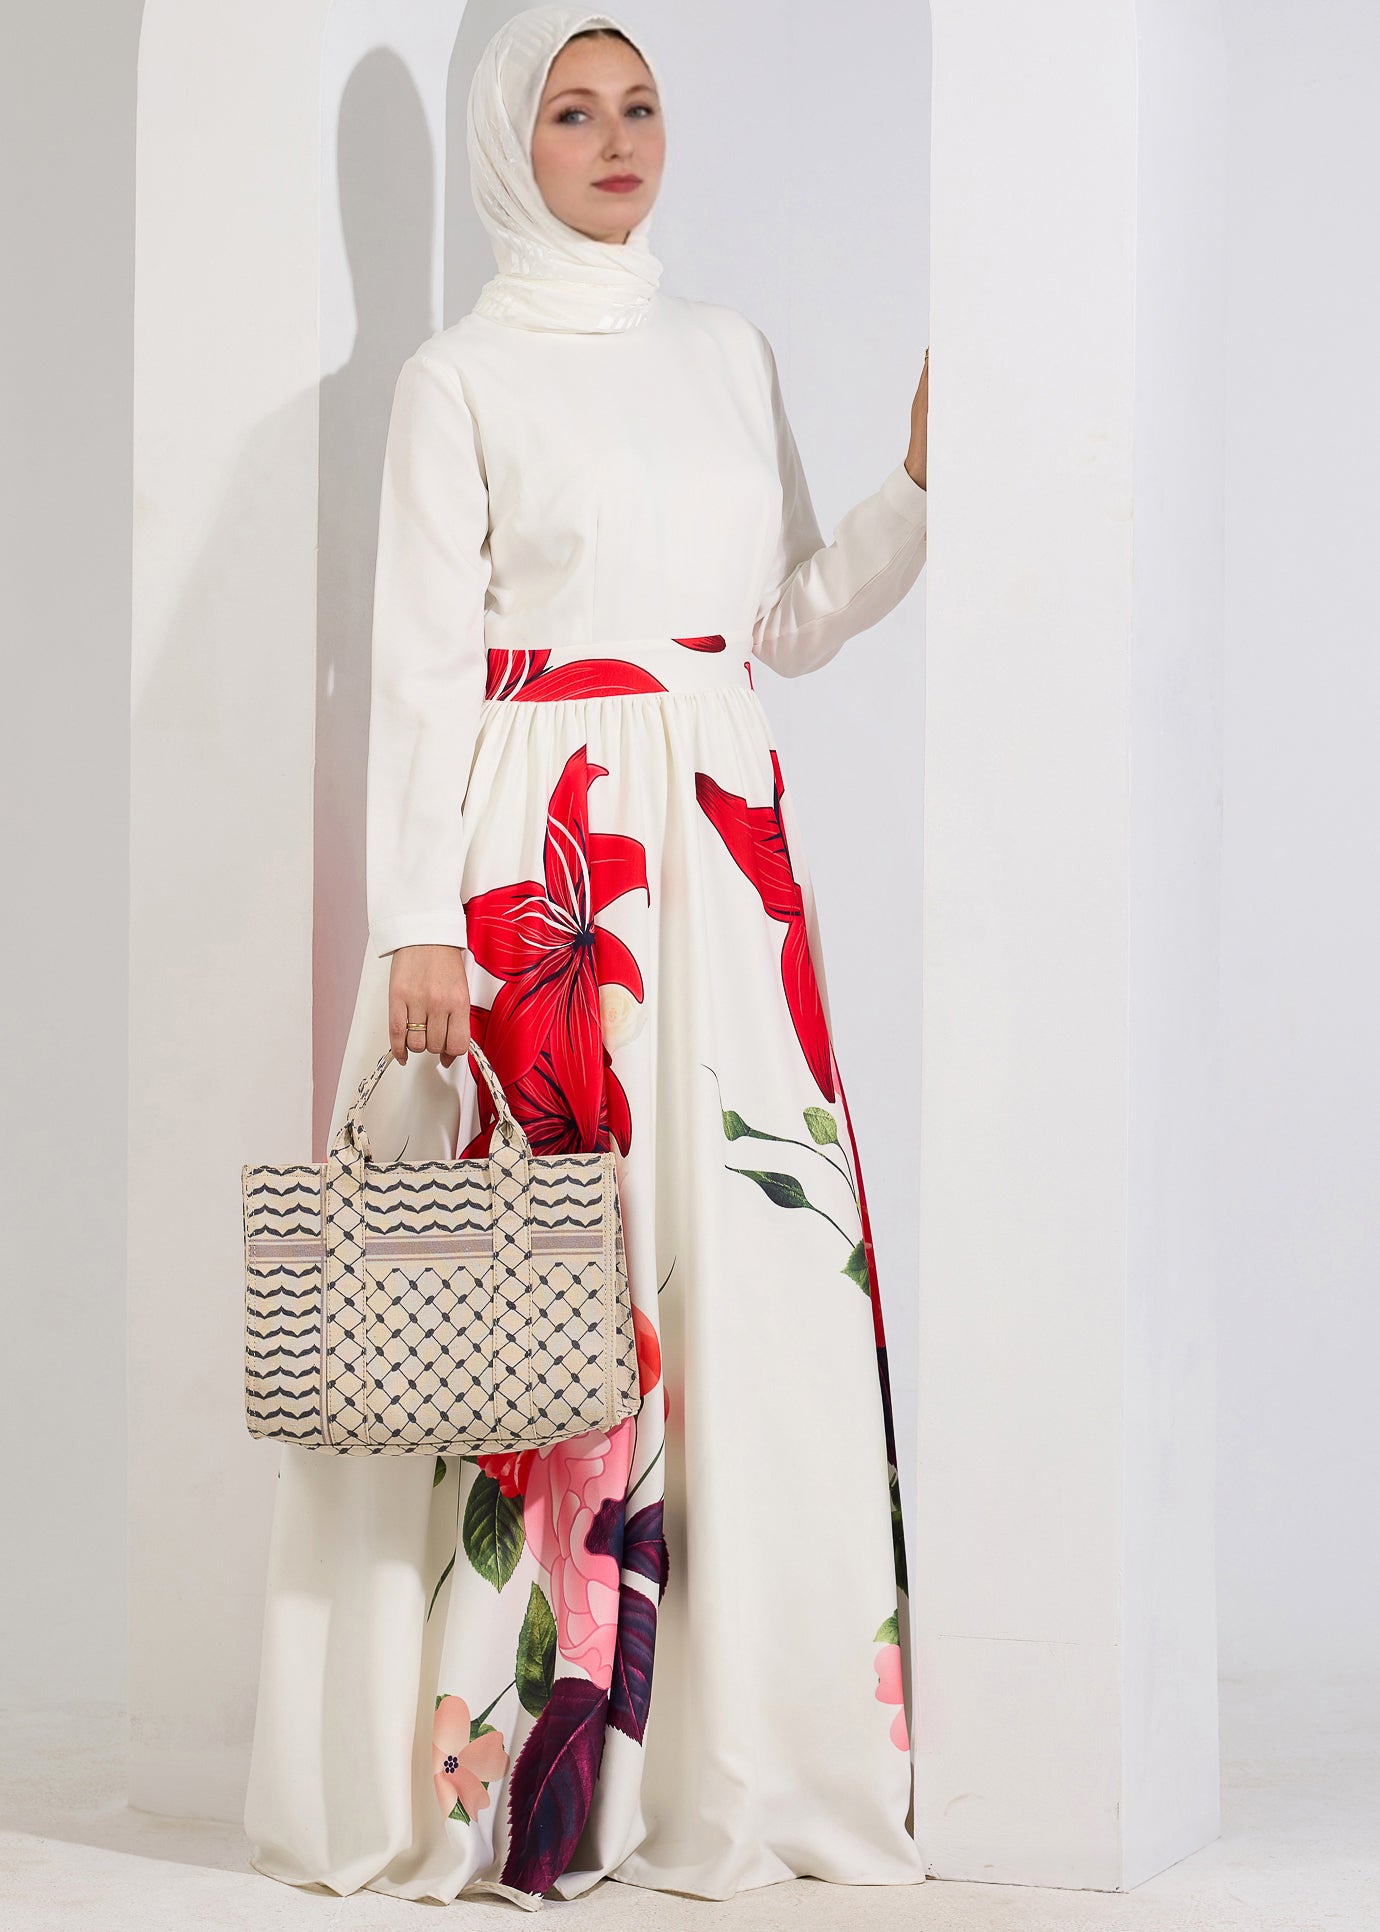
x=617 y=142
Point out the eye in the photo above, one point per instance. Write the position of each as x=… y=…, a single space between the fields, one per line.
x=566 y=112
x=642 y=107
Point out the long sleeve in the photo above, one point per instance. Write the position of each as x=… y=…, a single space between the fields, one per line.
x=819 y=595
x=427 y=676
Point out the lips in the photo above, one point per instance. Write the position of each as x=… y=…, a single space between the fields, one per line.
x=620 y=184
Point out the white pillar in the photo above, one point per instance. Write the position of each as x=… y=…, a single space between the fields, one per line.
x=1062 y=1587
x=227 y=365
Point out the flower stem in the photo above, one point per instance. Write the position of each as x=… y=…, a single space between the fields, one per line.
x=833 y=1224
x=645 y=1473
x=488 y=1707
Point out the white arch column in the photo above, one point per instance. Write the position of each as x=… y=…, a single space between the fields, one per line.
x=1062 y=1589
x=227 y=367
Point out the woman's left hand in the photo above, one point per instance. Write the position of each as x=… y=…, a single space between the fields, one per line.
x=919 y=424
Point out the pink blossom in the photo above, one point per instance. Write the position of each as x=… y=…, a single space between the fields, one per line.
x=887 y=1664
x=461 y=1765
x=567 y=1484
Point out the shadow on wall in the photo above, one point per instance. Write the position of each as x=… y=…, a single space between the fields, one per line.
x=386 y=168
x=469 y=259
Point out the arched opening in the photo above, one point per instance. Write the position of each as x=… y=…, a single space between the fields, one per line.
x=1047 y=1492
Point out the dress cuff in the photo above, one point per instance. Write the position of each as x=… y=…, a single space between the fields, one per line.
x=903 y=493
x=443 y=928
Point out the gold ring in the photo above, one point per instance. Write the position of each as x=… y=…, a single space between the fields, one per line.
x=414 y=1026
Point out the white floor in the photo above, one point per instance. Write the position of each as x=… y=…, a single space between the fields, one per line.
x=1299 y=1850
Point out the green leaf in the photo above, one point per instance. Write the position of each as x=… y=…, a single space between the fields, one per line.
x=536 y=1653
x=736 y=1128
x=492 y=1533
x=824 y=1129
x=460 y=1812
x=784 y=1189
x=890 y=1631
x=856 y=1269
x=438 y=1474
x=437 y=1591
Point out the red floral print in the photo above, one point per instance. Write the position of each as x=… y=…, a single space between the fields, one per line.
x=524 y=675
x=508 y=1469
x=756 y=839
x=714 y=643
x=648 y=1351
x=540 y=938
x=539 y=1102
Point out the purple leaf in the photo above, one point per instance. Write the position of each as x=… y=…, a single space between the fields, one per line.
x=630 y=1693
x=552 y=1784
x=604 y=1537
x=644 y=1548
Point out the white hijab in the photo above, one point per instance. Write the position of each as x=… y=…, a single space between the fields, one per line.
x=550 y=275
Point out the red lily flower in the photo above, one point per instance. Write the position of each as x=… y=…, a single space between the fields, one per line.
x=756 y=838
x=507 y=671
x=524 y=675
x=543 y=1109
x=540 y=938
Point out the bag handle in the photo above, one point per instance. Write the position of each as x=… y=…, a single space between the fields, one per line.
x=353 y=1134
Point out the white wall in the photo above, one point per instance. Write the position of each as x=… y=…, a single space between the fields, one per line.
x=222 y=729
x=1067 y=1731
x=1299 y=1454
x=1169 y=1743
x=66 y=333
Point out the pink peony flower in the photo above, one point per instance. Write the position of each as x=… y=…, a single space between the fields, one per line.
x=460 y=1765
x=887 y=1664
x=567 y=1485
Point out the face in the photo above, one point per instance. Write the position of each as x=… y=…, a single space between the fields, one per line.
x=598 y=145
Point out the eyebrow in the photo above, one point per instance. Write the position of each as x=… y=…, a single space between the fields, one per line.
x=592 y=95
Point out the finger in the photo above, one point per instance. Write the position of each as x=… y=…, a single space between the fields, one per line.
x=436 y=1023
x=397 y=1025
x=415 y=1034
x=457 y=1037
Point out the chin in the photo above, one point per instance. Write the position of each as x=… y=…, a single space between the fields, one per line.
x=614 y=211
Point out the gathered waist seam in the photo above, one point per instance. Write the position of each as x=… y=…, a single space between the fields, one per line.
x=621 y=668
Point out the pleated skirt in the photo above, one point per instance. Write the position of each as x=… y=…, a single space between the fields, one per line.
x=674 y=1653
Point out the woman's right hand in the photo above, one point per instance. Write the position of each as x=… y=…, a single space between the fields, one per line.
x=428 y=983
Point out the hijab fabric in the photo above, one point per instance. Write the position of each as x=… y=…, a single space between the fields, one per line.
x=550 y=275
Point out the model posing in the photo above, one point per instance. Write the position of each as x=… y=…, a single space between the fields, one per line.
x=670 y=1653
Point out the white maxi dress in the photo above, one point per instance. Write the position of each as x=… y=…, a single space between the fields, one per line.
x=671 y=1653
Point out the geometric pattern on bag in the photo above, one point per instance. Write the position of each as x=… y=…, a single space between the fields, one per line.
x=432 y=1307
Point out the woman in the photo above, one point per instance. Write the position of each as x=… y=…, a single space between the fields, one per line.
x=593 y=521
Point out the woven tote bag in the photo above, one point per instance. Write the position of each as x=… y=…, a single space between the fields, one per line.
x=460 y=1307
